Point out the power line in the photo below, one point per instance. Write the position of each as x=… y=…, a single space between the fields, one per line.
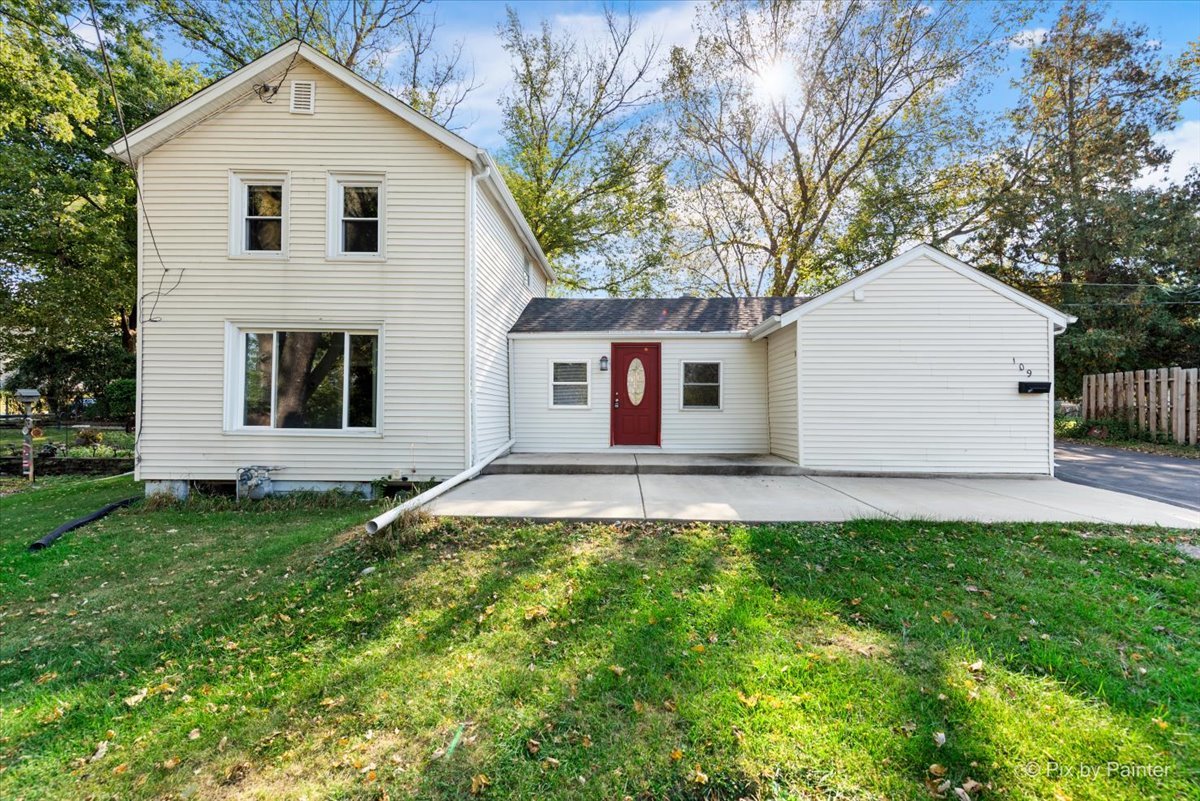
x=112 y=85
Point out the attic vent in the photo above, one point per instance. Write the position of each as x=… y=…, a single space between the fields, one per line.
x=304 y=97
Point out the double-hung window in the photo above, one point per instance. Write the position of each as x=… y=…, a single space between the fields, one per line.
x=569 y=384
x=701 y=385
x=308 y=379
x=356 y=214
x=258 y=215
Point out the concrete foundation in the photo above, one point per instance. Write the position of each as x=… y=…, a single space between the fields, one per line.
x=174 y=487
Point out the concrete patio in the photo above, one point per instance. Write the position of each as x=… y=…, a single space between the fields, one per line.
x=776 y=498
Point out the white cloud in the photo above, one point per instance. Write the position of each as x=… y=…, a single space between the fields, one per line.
x=1027 y=38
x=1184 y=142
x=670 y=24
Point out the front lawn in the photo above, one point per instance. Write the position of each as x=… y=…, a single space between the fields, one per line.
x=207 y=650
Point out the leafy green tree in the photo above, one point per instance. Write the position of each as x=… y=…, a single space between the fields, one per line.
x=67 y=210
x=583 y=157
x=1074 y=222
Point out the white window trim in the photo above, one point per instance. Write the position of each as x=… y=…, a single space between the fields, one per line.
x=720 y=385
x=235 y=379
x=238 y=181
x=587 y=383
x=333 y=222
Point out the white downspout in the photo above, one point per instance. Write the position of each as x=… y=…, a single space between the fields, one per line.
x=472 y=202
x=387 y=518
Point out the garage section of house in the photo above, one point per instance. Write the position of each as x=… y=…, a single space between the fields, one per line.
x=922 y=365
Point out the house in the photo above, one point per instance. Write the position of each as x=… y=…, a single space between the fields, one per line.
x=338 y=289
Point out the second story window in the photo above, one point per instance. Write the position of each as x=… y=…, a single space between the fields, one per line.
x=258 y=224
x=355 y=216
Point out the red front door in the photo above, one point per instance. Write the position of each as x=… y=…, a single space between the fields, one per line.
x=636 y=394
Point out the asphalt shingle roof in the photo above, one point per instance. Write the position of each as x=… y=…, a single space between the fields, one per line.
x=649 y=314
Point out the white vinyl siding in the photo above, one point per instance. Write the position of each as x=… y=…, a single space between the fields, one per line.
x=416 y=297
x=501 y=294
x=921 y=376
x=740 y=426
x=782 y=393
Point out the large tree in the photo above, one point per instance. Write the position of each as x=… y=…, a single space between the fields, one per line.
x=814 y=138
x=583 y=157
x=67 y=210
x=390 y=42
x=1077 y=221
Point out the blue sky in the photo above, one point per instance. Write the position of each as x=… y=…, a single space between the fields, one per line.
x=1173 y=22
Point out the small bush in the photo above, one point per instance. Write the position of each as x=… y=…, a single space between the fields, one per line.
x=89 y=437
x=119 y=398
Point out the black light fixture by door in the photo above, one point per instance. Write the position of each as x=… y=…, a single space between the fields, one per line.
x=604 y=364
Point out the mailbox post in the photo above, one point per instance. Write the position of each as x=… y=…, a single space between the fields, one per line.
x=28 y=398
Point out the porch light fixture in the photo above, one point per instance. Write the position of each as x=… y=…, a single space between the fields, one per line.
x=604 y=364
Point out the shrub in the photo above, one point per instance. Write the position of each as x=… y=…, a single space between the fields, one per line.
x=89 y=437
x=120 y=398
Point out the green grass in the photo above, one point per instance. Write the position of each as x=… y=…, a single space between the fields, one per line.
x=237 y=652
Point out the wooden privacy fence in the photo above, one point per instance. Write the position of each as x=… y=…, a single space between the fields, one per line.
x=1161 y=402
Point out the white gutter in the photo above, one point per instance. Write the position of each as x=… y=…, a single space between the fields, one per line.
x=620 y=336
x=767 y=326
x=384 y=520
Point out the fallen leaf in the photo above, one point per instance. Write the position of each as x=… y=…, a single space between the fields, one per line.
x=550 y=762
x=937 y=770
x=676 y=755
x=45 y=677
x=194 y=734
x=972 y=786
x=119 y=769
x=617 y=669
x=939 y=738
x=749 y=700
x=136 y=698
x=533 y=746
x=536 y=612
x=101 y=750
x=908 y=729
x=478 y=782
x=170 y=763
x=961 y=794
x=669 y=705
x=698 y=776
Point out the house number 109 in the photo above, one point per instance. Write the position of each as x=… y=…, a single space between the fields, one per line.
x=1021 y=368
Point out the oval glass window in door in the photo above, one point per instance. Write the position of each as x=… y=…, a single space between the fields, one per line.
x=635 y=381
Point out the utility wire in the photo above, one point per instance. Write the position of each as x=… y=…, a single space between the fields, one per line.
x=112 y=85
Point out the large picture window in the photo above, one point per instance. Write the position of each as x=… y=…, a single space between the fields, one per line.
x=309 y=379
x=701 y=385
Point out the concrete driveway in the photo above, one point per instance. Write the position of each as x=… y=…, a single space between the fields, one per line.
x=1171 y=479
x=800 y=498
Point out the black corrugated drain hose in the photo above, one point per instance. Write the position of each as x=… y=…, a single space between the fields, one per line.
x=47 y=540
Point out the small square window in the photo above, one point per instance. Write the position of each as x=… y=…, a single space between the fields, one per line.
x=701 y=385
x=569 y=384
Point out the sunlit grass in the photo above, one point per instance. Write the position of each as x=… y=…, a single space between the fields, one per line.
x=586 y=661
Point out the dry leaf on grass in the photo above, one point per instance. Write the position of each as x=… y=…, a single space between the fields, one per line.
x=479 y=782
x=939 y=738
